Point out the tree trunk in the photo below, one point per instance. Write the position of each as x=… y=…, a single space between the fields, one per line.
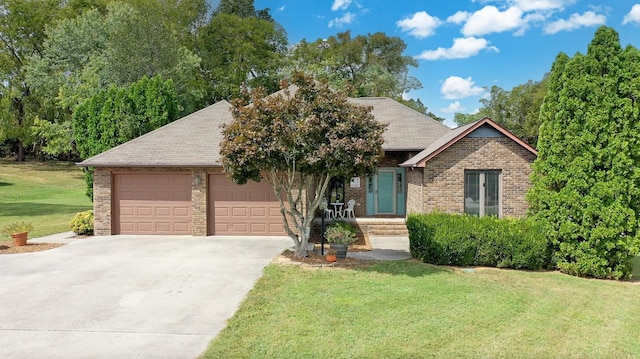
x=20 y=157
x=301 y=249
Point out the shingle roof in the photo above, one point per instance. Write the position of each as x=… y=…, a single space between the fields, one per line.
x=194 y=140
x=454 y=136
x=408 y=130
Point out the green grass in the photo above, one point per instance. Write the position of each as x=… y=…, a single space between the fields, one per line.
x=408 y=309
x=47 y=194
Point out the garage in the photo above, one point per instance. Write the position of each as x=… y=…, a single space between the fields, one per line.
x=152 y=203
x=249 y=209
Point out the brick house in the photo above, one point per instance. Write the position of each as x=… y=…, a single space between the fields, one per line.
x=170 y=181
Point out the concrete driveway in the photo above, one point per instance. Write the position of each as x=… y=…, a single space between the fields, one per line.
x=126 y=296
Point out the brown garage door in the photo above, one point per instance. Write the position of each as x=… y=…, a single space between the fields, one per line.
x=152 y=203
x=249 y=209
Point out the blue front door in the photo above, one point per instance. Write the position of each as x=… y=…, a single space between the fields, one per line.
x=385 y=192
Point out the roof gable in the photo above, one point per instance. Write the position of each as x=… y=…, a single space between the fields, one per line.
x=450 y=138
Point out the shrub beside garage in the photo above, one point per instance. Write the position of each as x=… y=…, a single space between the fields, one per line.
x=449 y=239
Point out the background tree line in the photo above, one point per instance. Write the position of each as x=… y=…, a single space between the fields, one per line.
x=59 y=54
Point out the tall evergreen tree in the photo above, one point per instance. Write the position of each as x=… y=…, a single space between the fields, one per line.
x=586 y=179
x=118 y=114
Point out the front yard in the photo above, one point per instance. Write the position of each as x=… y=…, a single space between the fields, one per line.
x=408 y=309
x=47 y=194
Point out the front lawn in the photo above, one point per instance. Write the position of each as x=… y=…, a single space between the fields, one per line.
x=47 y=194
x=408 y=309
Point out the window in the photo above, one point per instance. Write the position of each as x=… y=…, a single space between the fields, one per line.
x=482 y=193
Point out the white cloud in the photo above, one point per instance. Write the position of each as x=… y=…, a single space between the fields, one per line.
x=540 y=5
x=281 y=8
x=489 y=20
x=340 y=5
x=420 y=25
x=459 y=17
x=574 y=22
x=462 y=48
x=341 y=21
x=633 y=16
x=453 y=107
x=454 y=88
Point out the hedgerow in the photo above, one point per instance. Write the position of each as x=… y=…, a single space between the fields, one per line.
x=462 y=240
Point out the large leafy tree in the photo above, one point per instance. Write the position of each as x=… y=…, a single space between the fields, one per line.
x=517 y=110
x=297 y=141
x=22 y=33
x=238 y=51
x=115 y=45
x=118 y=114
x=371 y=65
x=586 y=179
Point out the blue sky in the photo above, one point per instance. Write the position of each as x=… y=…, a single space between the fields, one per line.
x=465 y=46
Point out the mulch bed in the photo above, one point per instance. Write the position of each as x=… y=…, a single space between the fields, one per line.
x=7 y=247
x=314 y=260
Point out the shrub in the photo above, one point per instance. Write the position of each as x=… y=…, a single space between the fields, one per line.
x=82 y=223
x=439 y=238
x=340 y=232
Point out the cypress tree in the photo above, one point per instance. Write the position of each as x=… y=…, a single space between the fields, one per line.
x=587 y=175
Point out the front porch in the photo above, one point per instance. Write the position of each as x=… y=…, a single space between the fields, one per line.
x=367 y=227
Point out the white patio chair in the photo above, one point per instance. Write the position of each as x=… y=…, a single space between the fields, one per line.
x=328 y=213
x=348 y=211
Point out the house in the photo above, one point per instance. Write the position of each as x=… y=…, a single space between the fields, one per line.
x=170 y=181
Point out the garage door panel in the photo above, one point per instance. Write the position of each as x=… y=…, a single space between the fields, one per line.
x=163 y=211
x=162 y=227
x=250 y=209
x=239 y=212
x=144 y=211
x=152 y=203
x=259 y=212
x=182 y=212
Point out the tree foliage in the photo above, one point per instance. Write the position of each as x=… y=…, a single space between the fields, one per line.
x=371 y=65
x=516 y=110
x=586 y=179
x=22 y=32
x=297 y=141
x=238 y=51
x=118 y=114
x=117 y=46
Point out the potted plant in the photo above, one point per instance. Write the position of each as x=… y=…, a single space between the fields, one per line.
x=331 y=256
x=19 y=231
x=340 y=235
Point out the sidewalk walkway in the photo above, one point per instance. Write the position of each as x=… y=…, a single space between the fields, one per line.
x=64 y=237
x=385 y=248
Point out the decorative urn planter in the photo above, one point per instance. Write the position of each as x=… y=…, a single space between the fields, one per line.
x=341 y=249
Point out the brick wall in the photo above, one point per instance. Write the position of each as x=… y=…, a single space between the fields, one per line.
x=102 y=202
x=444 y=175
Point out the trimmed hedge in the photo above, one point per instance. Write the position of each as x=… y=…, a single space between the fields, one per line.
x=462 y=240
x=82 y=223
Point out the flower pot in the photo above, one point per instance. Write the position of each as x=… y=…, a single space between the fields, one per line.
x=331 y=258
x=20 y=239
x=341 y=249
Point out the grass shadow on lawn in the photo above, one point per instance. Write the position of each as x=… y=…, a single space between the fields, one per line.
x=37 y=209
x=407 y=267
x=2 y=184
